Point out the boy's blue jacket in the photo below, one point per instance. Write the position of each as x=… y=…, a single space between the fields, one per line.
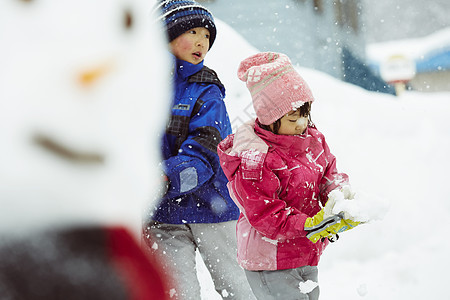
x=199 y=121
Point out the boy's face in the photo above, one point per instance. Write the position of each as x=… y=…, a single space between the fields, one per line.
x=192 y=45
x=292 y=123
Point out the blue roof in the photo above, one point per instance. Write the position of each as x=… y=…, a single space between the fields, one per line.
x=434 y=61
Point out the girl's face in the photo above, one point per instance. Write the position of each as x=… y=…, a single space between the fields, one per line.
x=192 y=45
x=293 y=123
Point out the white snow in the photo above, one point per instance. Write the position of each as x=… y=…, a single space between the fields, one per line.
x=296 y=105
x=307 y=286
x=172 y=292
x=225 y=293
x=273 y=242
x=364 y=207
x=411 y=48
x=155 y=246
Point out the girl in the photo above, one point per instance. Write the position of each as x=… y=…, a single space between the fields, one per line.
x=280 y=172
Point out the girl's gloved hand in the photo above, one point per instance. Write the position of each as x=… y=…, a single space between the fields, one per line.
x=328 y=227
x=325 y=224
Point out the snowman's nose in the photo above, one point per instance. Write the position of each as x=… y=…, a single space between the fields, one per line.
x=89 y=76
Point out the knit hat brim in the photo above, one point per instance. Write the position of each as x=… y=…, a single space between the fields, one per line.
x=174 y=30
x=181 y=16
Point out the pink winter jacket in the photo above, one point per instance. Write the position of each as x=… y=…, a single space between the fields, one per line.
x=277 y=181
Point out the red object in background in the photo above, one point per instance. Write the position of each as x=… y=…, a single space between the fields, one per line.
x=140 y=272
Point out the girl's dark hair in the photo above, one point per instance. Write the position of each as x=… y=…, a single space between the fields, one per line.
x=305 y=111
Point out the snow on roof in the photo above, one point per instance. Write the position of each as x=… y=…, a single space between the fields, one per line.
x=431 y=53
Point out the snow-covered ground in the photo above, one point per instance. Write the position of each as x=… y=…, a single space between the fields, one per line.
x=393 y=147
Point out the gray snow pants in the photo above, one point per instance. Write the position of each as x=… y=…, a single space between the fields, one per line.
x=216 y=242
x=283 y=284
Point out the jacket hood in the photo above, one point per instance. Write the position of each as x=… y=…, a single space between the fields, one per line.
x=244 y=148
x=249 y=146
x=289 y=143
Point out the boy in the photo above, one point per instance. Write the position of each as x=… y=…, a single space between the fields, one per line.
x=196 y=212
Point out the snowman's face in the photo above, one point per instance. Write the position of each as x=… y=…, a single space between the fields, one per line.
x=83 y=96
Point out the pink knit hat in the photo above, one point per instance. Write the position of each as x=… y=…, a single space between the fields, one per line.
x=275 y=86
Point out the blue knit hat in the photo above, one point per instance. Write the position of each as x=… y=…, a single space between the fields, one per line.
x=182 y=15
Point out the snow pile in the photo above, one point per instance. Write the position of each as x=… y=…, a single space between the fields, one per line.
x=361 y=207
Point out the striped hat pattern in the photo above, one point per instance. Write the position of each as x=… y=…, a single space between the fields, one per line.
x=275 y=86
x=180 y=16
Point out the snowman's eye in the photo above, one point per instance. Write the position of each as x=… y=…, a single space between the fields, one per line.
x=128 y=19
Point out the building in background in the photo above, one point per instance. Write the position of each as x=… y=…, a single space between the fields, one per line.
x=430 y=56
x=418 y=32
x=324 y=35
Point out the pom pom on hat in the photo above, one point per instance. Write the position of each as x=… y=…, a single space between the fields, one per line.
x=180 y=16
x=275 y=86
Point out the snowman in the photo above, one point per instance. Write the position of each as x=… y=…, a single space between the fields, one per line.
x=83 y=94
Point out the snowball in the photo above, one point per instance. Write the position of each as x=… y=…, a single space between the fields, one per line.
x=362 y=208
x=307 y=286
